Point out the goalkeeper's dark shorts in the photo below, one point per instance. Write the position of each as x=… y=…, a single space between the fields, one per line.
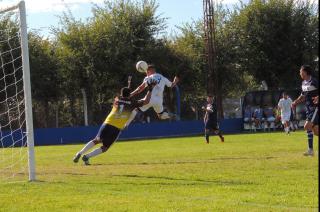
x=211 y=125
x=108 y=134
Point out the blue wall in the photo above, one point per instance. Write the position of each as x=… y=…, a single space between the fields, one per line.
x=69 y=135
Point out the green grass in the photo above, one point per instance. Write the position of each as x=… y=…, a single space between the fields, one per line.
x=249 y=172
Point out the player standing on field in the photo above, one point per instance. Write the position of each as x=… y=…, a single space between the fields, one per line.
x=114 y=123
x=156 y=100
x=211 y=120
x=285 y=108
x=309 y=92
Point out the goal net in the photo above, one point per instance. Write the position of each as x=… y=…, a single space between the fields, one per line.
x=16 y=130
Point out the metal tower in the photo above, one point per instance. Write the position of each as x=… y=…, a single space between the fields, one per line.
x=210 y=53
x=209 y=36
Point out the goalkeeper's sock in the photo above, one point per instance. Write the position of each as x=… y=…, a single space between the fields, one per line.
x=207 y=137
x=88 y=146
x=132 y=116
x=95 y=152
x=221 y=136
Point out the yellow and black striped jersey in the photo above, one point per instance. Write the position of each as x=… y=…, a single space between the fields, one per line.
x=121 y=111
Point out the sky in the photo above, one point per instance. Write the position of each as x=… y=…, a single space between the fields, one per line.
x=43 y=14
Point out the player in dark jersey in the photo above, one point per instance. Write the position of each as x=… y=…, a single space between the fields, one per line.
x=211 y=120
x=113 y=124
x=309 y=92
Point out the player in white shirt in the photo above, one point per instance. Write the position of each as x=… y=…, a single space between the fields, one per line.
x=156 y=100
x=285 y=108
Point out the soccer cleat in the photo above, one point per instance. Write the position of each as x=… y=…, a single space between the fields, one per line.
x=85 y=159
x=76 y=158
x=164 y=115
x=308 y=153
x=222 y=139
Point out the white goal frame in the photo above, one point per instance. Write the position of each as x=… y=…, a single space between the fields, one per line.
x=26 y=85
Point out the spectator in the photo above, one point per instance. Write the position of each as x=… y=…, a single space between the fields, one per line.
x=277 y=122
x=294 y=123
x=258 y=118
x=269 y=118
x=247 y=119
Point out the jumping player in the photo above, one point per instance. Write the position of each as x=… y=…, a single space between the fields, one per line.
x=113 y=124
x=156 y=100
x=309 y=91
x=210 y=120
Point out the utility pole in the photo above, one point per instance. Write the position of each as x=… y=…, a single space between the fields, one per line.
x=210 y=54
x=208 y=15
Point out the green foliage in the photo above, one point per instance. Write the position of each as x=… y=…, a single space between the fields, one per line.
x=99 y=54
x=249 y=172
x=44 y=65
x=46 y=82
x=260 y=40
x=276 y=37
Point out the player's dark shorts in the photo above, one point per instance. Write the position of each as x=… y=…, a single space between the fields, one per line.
x=211 y=125
x=108 y=134
x=315 y=117
x=310 y=110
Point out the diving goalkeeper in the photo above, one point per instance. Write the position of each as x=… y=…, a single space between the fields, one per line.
x=113 y=124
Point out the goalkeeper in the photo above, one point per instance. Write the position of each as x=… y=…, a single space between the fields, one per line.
x=114 y=123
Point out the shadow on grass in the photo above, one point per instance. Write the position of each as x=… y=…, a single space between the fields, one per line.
x=213 y=160
x=184 y=180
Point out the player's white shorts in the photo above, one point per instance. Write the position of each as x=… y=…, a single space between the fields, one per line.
x=156 y=103
x=285 y=117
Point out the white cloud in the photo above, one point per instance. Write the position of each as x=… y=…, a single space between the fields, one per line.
x=36 y=6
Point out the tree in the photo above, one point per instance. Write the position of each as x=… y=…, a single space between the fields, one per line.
x=44 y=76
x=97 y=55
x=276 y=37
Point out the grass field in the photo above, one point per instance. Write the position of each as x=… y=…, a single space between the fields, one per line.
x=249 y=172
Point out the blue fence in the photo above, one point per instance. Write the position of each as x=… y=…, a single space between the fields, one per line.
x=69 y=135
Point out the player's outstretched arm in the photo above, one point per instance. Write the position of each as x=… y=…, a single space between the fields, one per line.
x=175 y=81
x=140 y=103
x=129 y=81
x=300 y=99
x=146 y=100
x=138 y=90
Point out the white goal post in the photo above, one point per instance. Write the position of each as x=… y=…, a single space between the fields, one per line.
x=26 y=122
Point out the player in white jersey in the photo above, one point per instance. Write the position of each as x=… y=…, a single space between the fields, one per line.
x=285 y=108
x=156 y=101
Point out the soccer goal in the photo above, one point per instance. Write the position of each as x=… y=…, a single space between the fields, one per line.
x=16 y=124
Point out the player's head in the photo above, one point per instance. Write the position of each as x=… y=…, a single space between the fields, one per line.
x=210 y=99
x=151 y=69
x=305 y=72
x=285 y=95
x=125 y=92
